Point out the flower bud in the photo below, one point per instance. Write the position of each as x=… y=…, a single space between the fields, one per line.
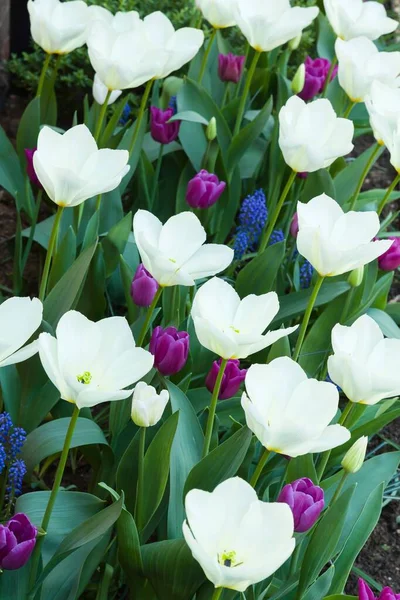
x=356 y=277
x=299 y=79
x=230 y=67
x=365 y=593
x=306 y=502
x=204 y=190
x=354 y=458
x=162 y=131
x=17 y=541
x=390 y=260
x=211 y=131
x=295 y=42
x=294 y=226
x=170 y=349
x=144 y=287
x=30 y=169
x=232 y=378
x=316 y=72
x=148 y=406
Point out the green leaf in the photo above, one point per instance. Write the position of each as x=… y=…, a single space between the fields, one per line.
x=115 y=241
x=295 y=304
x=318 y=183
x=11 y=176
x=302 y=466
x=64 y=258
x=135 y=156
x=346 y=181
x=258 y=276
x=386 y=323
x=340 y=597
x=28 y=129
x=189 y=115
x=321 y=586
x=326 y=38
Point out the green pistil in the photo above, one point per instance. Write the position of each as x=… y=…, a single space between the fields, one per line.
x=85 y=378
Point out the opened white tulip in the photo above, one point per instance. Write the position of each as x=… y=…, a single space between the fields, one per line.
x=58 y=27
x=100 y=92
x=72 y=169
x=175 y=253
x=231 y=327
x=267 y=24
x=383 y=105
x=393 y=145
x=237 y=539
x=365 y=364
x=219 y=13
x=361 y=63
x=90 y=363
x=335 y=242
x=121 y=22
x=148 y=406
x=289 y=413
x=353 y=18
x=19 y=319
x=311 y=136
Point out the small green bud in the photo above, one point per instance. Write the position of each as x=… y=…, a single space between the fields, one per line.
x=356 y=277
x=354 y=458
x=295 y=42
x=211 y=131
x=299 y=79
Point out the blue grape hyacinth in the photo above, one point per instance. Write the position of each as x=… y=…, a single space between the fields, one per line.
x=252 y=218
x=276 y=237
x=306 y=273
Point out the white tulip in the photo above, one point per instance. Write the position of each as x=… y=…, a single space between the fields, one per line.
x=383 y=105
x=58 y=27
x=289 y=413
x=175 y=253
x=100 y=92
x=361 y=63
x=392 y=143
x=353 y=18
x=148 y=406
x=365 y=364
x=90 y=363
x=121 y=22
x=335 y=242
x=219 y=13
x=237 y=539
x=19 y=319
x=231 y=327
x=311 y=136
x=267 y=24
x=72 y=169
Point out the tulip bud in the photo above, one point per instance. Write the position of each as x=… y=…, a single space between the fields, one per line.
x=170 y=349
x=316 y=72
x=232 y=378
x=148 y=406
x=211 y=131
x=365 y=593
x=356 y=277
x=204 y=190
x=306 y=502
x=299 y=79
x=144 y=287
x=354 y=458
x=30 y=169
x=17 y=541
x=230 y=67
x=294 y=227
x=162 y=131
x=390 y=260
x=295 y=42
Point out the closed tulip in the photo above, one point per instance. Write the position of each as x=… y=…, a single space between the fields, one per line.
x=317 y=71
x=90 y=363
x=161 y=130
x=306 y=502
x=232 y=378
x=204 y=190
x=30 y=169
x=383 y=105
x=17 y=541
x=170 y=349
x=175 y=253
x=390 y=260
x=289 y=413
x=72 y=169
x=237 y=539
x=354 y=18
x=364 y=363
x=148 y=406
x=230 y=67
x=365 y=593
x=19 y=319
x=231 y=327
x=219 y=13
x=354 y=458
x=144 y=287
x=311 y=136
x=335 y=242
x=100 y=92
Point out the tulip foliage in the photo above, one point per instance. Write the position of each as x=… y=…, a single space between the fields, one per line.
x=189 y=395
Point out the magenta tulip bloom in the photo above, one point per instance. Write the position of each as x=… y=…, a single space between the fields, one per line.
x=390 y=260
x=316 y=73
x=232 y=378
x=230 y=67
x=144 y=287
x=365 y=593
x=294 y=226
x=306 y=502
x=204 y=190
x=162 y=131
x=30 y=169
x=17 y=541
x=170 y=349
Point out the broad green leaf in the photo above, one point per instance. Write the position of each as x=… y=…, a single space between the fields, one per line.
x=302 y=466
x=135 y=156
x=326 y=38
x=190 y=116
x=340 y=597
x=258 y=276
x=295 y=304
x=346 y=181
x=11 y=176
x=63 y=259
x=28 y=129
x=115 y=241
x=321 y=586
x=386 y=323
x=316 y=184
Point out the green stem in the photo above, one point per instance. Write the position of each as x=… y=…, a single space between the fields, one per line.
x=307 y=315
x=364 y=175
x=156 y=175
x=225 y=96
x=102 y=116
x=245 y=92
x=98 y=201
x=54 y=492
x=206 y=155
x=140 y=116
x=50 y=250
x=275 y=215
x=239 y=84
x=339 y=487
x=261 y=464
x=349 y=109
x=344 y=417
x=217 y=593
x=146 y=323
x=329 y=77
x=295 y=559
x=43 y=74
x=213 y=408
x=389 y=191
x=140 y=481
x=32 y=230
x=206 y=55
x=55 y=70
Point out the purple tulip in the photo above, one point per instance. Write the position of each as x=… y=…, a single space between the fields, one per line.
x=170 y=349
x=204 y=190
x=365 y=593
x=390 y=260
x=30 y=169
x=230 y=67
x=232 y=378
x=17 y=541
x=306 y=502
x=144 y=287
x=162 y=131
x=316 y=73
x=294 y=226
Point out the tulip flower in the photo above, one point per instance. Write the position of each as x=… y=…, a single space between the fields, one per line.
x=121 y=22
x=144 y=287
x=231 y=327
x=204 y=190
x=267 y=24
x=100 y=92
x=289 y=413
x=170 y=349
x=232 y=378
x=162 y=131
x=19 y=319
x=390 y=260
x=17 y=541
x=383 y=105
x=365 y=593
x=317 y=71
x=355 y=18
x=335 y=242
x=354 y=458
x=30 y=169
x=175 y=253
x=294 y=226
x=230 y=67
x=311 y=136
x=364 y=363
x=219 y=13
x=148 y=406
x=58 y=27
x=361 y=63
x=72 y=169
x=90 y=363
x=306 y=501
x=237 y=539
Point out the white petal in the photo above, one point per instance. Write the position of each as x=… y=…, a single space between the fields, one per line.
x=48 y=352
x=19 y=319
x=181 y=237
x=217 y=302
x=212 y=338
x=255 y=313
x=90 y=397
x=332 y=437
x=209 y=260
